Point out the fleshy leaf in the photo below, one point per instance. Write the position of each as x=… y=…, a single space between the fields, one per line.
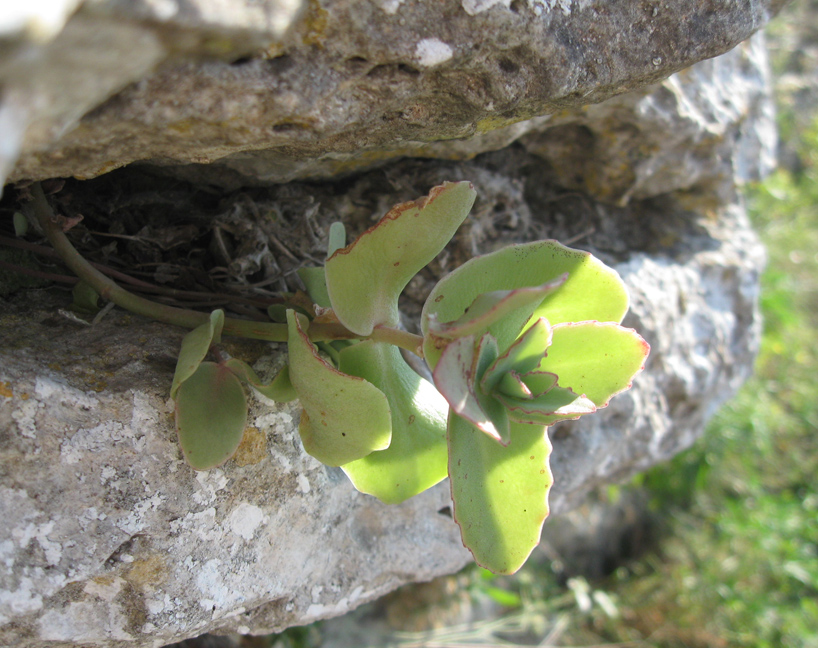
x=539 y=382
x=417 y=457
x=488 y=308
x=596 y=359
x=365 y=278
x=86 y=299
x=512 y=385
x=195 y=346
x=456 y=377
x=524 y=355
x=316 y=283
x=592 y=290
x=211 y=414
x=557 y=404
x=278 y=389
x=20 y=224
x=337 y=238
x=500 y=493
x=345 y=417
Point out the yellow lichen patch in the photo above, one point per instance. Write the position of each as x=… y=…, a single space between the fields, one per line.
x=274 y=50
x=5 y=390
x=147 y=572
x=183 y=126
x=102 y=169
x=252 y=449
x=105 y=580
x=315 y=24
x=493 y=122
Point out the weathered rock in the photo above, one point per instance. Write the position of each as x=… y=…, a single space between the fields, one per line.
x=56 y=67
x=109 y=537
x=354 y=84
x=692 y=129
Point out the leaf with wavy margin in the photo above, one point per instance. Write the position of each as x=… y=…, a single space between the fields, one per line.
x=592 y=290
x=500 y=493
x=365 y=278
x=416 y=459
x=345 y=417
x=596 y=359
x=211 y=414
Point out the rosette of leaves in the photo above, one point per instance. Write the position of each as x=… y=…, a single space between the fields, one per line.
x=520 y=339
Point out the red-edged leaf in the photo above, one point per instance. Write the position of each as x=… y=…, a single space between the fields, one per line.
x=211 y=414
x=365 y=278
x=345 y=417
x=456 y=376
x=500 y=493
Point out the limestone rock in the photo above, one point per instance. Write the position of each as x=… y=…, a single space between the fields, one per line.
x=56 y=67
x=694 y=128
x=110 y=539
x=351 y=84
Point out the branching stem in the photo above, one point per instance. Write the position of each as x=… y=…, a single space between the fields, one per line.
x=111 y=291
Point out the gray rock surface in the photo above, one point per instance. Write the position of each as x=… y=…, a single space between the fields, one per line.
x=109 y=537
x=351 y=84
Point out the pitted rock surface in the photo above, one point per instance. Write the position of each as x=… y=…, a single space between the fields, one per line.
x=283 y=91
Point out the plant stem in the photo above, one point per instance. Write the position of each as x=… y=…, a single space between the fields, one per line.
x=111 y=291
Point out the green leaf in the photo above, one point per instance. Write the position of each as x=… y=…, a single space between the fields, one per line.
x=85 y=298
x=278 y=389
x=500 y=493
x=195 y=346
x=365 y=278
x=510 y=384
x=488 y=308
x=315 y=281
x=524 y=355
x=539 y=382
x=501 y=596
x=557 y=404
x=278 y=313
x=456 y=378
x=345 y=417
x=211 y=414
x=20 y=224
x=596 y=359
x=592 y=290
x=417 y=457
x=337 y=238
